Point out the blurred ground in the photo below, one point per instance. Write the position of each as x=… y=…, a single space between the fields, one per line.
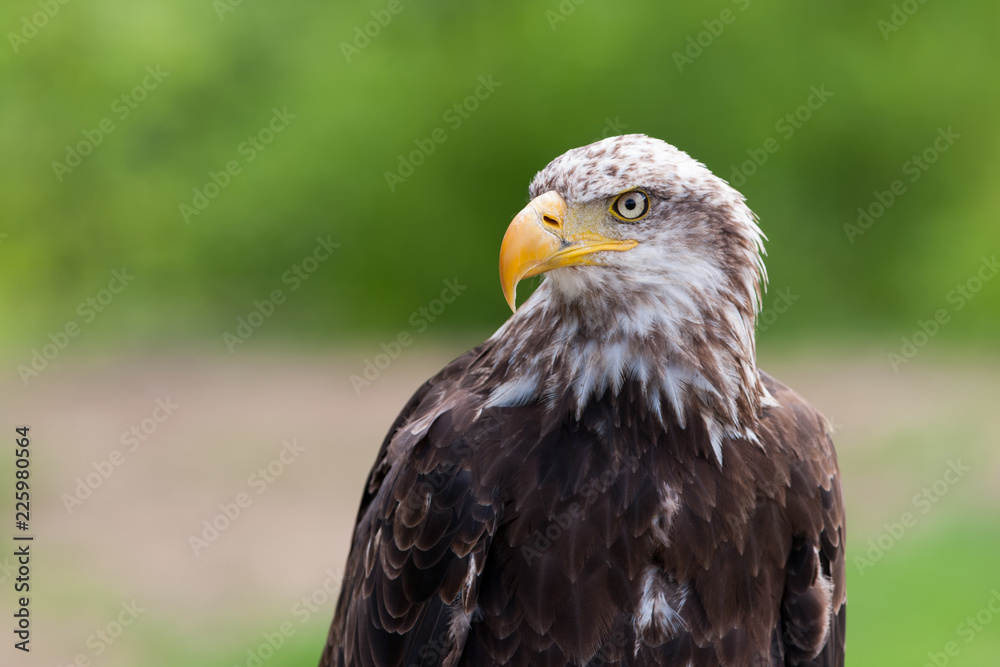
x=130 y=539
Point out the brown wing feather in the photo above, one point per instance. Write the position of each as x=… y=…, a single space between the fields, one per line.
x=813 y=605
x=420 y=530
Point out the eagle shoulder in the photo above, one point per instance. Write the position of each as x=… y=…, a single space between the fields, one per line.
x=411 y=579
x=813 y=604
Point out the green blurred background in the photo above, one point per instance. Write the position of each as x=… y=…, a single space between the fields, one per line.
x=716 y=79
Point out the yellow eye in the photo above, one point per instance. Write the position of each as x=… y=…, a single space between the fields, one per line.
x=630 y=205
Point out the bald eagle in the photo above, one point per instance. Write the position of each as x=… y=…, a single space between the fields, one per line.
x=609 y=479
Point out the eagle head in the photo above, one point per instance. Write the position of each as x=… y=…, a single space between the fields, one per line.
x=654 y=274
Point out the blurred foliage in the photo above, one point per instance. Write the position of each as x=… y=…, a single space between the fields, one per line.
x=567 y=72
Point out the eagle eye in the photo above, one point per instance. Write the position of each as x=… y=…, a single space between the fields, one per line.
x=631 y=205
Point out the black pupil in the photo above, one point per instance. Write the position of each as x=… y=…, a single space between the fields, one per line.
x=630 y=204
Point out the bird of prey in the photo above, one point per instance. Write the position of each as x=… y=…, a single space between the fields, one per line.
x=609 y=479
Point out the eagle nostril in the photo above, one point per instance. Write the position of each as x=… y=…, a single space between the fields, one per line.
x=551 y=222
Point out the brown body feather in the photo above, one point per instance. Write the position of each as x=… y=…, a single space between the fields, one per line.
x=531 y=535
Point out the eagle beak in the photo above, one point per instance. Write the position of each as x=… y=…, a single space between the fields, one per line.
x=538 y=240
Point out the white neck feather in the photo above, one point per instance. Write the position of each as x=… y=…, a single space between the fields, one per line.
x=564 y=338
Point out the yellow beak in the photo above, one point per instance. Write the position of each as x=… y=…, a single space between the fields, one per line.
x=540 y=238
